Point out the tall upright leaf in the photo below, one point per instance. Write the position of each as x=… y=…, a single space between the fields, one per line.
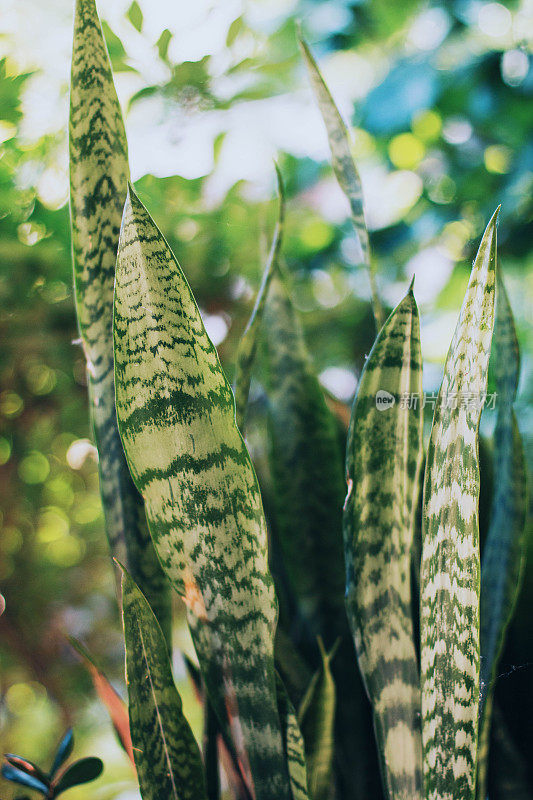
x=309 y=488
x=344 y=167
x=167 y=757
x=294 y=744
x=248 y=345
x=98 y=184
x=316 y=717
x=176 y=416
x=383 y=463
x=504 y=551
x=450 y=579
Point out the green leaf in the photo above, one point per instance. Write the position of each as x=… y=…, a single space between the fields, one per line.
x=248 y=345
x=163 y=43
x=316 y=717
x=505 y=546
x=450 y=571
x=166 y=754
x=383 y=461
x=308 y=499
x=98 y=185
x=176 y=416
x=294 y=744
x=135 y=16
x=84 y=770
x=344 y=167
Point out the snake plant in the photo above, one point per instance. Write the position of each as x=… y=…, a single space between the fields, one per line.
x=303 y=612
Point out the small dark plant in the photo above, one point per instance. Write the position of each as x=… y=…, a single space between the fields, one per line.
x=52 y=784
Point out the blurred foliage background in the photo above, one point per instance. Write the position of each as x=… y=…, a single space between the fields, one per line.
x=439 y=97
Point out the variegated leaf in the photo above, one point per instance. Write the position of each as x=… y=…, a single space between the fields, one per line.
x=98 y=185
x=248 y=345
x=504 y=551
x=450 y=571
x=308 y=498
x=316 y=717
x=294 y=744
x=344 y=167
x=383 y=463
x=167 y=757
x=176 y=416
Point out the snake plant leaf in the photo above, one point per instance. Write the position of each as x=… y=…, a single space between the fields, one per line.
x=504 y=551
x=383 y=461
x=176 y=415
x=84 y=770
x=16 y=775
x=308 y=499
x=344 y=167
x=167 y=757
x=248 y=345
x=98 y=185
x=316 y=717
x=294 y=744
x=114 y=703
x=450 y=570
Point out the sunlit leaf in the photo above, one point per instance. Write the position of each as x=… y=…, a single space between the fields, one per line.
x=135 y=15
x=382 y=464
x=167 y=757
x=176 y=416
x=450 y=571
x=343 y=166
x=98 y=185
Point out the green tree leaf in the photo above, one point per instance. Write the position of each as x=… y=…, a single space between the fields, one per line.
x=344 y=167
x=98 y=185
x=248 y=345
x=450 y=571
x=135 y=16
x=316 y=717
x=505 y=546
x=383 y=461
x=187 y=457
x=166 y=754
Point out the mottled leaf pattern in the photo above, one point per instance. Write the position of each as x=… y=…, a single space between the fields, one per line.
x=316 y=717
x=166 y=754
x=450 y=579
x=307 y=472
x=344 y=167
x=504 y=551
x=294 y=744
x=98 y=185
x=248 y=345
x=176 y=416
x=383 y=462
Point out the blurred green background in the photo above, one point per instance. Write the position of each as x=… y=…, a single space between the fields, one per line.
x=439 y=97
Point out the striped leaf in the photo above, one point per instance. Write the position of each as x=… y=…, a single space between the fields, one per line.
x=248 y=345
x=176 y=416
x=98 y=185
x=308 y=498
x=449 y=578
x=316 y=717
x=383 y=463
x=344 y=167
x=504 y=551
x=294 y=744
x=167 y=757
